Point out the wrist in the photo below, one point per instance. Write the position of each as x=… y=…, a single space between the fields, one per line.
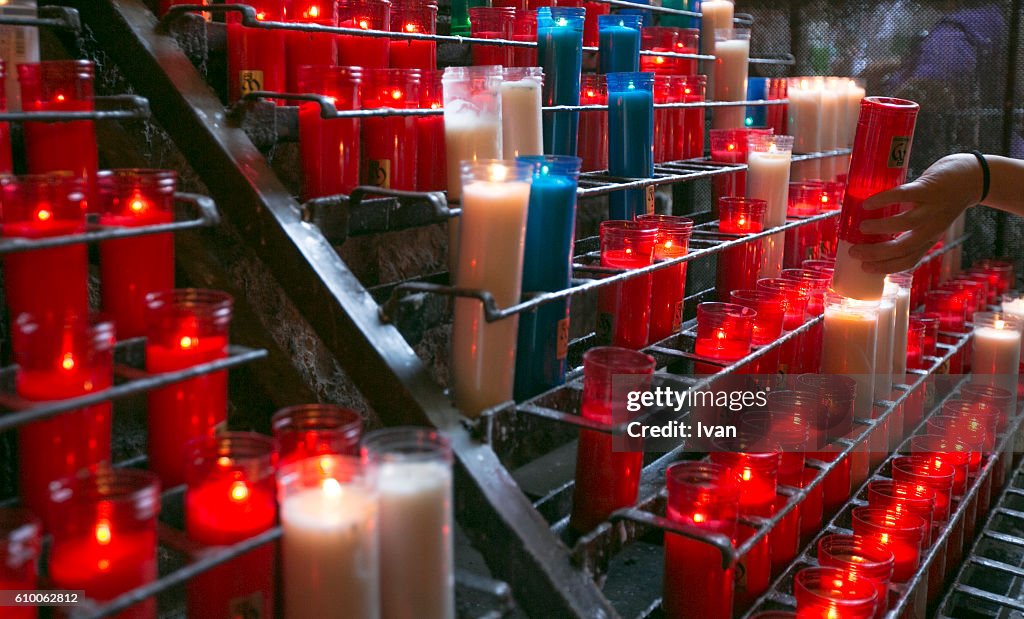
x=982 y=176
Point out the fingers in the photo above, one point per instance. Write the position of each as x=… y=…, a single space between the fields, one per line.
x=902 y=222
x=903 y=193
x=893 y=256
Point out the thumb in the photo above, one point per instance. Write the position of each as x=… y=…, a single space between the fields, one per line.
x=903 y=193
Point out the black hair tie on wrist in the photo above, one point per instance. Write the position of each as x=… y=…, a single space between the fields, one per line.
x=986 y=175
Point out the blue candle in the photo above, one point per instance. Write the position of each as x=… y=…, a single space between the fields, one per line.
x=681 y=21
x=757 y=89
x=630 y=140
x=547 y=267
x=560 y=53
x=618 y=43
x=646 y=17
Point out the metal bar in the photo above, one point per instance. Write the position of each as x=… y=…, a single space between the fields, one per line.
x=56 y=17
x=125 y=107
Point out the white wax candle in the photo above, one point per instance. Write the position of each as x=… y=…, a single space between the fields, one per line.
x=521 y=132
x=416 y=569
x=1015 y=307
x=996 y=355
x=854 y=95
x=467 y=137
x=18 y=45
x=849 y=342
x=899 y=340
x=731 y=60
x=490 y=258
x=886 y=342
x=829 y=135
x=715 y=15
x=804 y=111
x=851 y=280
x=768 y=179
x=330 y=553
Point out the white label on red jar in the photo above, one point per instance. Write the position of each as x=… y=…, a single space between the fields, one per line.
x=898 y=151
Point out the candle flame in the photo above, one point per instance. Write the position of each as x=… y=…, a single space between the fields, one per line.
x=60 y=98
x=331 y=487
x=884 y=538
x=364 y=24
x=746 y=474
x=187 y=342
x=833 y=613
x=999 y=324
x=261 y=15
x=742 y=221
x=668 y=244
x=325 y=465
x=313 y=11
x=412 y=28
x=224 y=461
x=103 y=532
x=698 y=517
x=137 y=205
x=43 y=214
x=396 y=94
x=731 y=147
x=659 y=60
x=239 y=491
x=67 y=362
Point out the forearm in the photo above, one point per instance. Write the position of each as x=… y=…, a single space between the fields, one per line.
x=1006 y=191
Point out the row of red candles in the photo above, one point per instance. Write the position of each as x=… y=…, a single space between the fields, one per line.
x=105 y=541
x=898 y=525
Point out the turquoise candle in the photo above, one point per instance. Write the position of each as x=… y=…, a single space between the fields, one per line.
x=646 y=18
x=547 y=267
x=630 y=140
x=618 y=43
x=681 y=21
x=757 y=115
x=560 y=53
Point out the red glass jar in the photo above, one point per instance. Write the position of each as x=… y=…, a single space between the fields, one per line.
x=814 y=285
x=778 y=89
x=838 y=394
x=793 y=296
x=690 y=136
x=930 y=473
x=902 y=533
x=132 y=268
x=491 y=23
x=941 y=449
x=724 y=331
x=828 y=592
x=431 y=154
x=592 y=140
x=625 y=307
x=730 y=146
x=812 y=507
x=256 y=56
x=861 y=558
x=793 y=416
x=981 y=281
x=389 y=143
x=524 y=28
x=931 y=322
x=915 y=345
x=309 y=48
x=767 y=326
x=993 y=397
x=950 y=307
x=668 y=286
x=6 y=164
x=756 y=471
x=1000 y=271
x=329 y=146
x=663 y=125
x=904 y=498
x=231 y=497
x=185 y=327
x=413 y=17
x=968 y=430
x=738 y=266
x=805 y=242
x=20 y=542
x=368 y=52
x=310 y=430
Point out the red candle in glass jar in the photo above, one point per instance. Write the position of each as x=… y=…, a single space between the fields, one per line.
x=491 y=23
x=814 y=284
x=981 y=280
x=132 y=268
x=693 y=89
x=61 y=356
x=591 y=36
x=794 y=307
x=837 y=395
x=231 y=497
x=20 y=541
x=992 y=397
x=625 y=307
x=414 y=17
x=944 y=450
x=6 y=165
x=329 y=146
x=803 y=243
x=767 y=326
x=756 y=473
x=730 y=146
x=663 y=126
x=606 y=479
x=784 y=538
x=792 y=416
x=185 y=327
x=105 y=540
x=431 y=154
x=309 y=48
x=837 y=482
x=389 y=143
x=256 y=56
x=972 y=422
x=724 y=331
x=1000 y=273
x=812 y=507
x=975 y=294
x=738 y=266
x=754 y=569
x=931 y=322
x=524 y=28
x=59 y=86
x=363 y=51
x=310 y=430
x=703 y=496
x=930 y=473
x=862 y=558
x=778 y=89
x=830 y=593
x=915 y=345
x=668 y=284
x=904 y=498
x=902 y=533
x=672 y=40
x=592 y=140
x=48 y=280
x=950 y=307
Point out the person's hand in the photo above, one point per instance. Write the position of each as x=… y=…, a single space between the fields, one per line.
x=937 y=198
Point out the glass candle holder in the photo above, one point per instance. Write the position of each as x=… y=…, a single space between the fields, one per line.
x=543 y=341
x=20 y=543
x=414 y=485
x=814 y=285
x=730 y=146
x=838 y=396
x=812 y=507
x=979 y=281
x=951 y=451
x=690 y=133
x=931 y=321
x=132 y=268
x=664 y=125
x=756 y=471
x=607 y=479
x=777 y=114
x=715 y=15
x=757 y=90
x=310 y=48
x=950 y=307
x=524 y=28
x=849 y=339
x=472 y=122
x=668 y=284
x=999 y=399
x=105 y=540
x=881 y=153
x=48 y=280
x=915 y=346
x=389 y=146
x=786 y=425
x=904 y=498
x=329 y=146
x=60 y=86
x=310 y=430
x=732 y=55
x=724 y=331
x=560 y=53
x=930 y=473
x=61 y=356
x=886 y=340
x=862 y=558
x=522 y=134
x=412 y=16
x=768 y=164
x=431 y=157
x=804 y=243
x=230 y=498
x=704 y=496
x=624 y=308
x=767 y=325
x=996 y=349
x=1001 y=272
x=658 y=39
x=185 y=327
x=619 y=43
x=6 y=164
x=972 y=292
x=495 y=196
x=593 y=136
x=970 y=432
x=360 y=51
x=903 y=282
x=256 y=56
x=902 y=533
x=803 y=122
x=823 y=592
x=491 y=23
x=793 y=296
x=630 y=140
x=329 y=528
x=740 y=265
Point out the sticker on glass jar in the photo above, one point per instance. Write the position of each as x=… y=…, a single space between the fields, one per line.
x=250 y=81
x=649 y=194
x=563 y=339
x=898 y=151
x=378 y=173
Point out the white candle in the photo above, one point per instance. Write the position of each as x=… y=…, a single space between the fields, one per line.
x=715 y=15
x=849 y=342
x=854 y=95
x=996 y=350
x=886 y=342
x=851 y=280
x=804 y=112
x=829 y=135
x=521 y=132
x=494 y=203
x=902 y=324
x=1014 y=307
x=18 y=45
x=732 y=56
x=768 y=164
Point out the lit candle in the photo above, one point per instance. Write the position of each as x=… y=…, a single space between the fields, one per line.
x=329 y=522
x=360 y=51
x=413 y=17
x=592 y=142
x=814 y=285
x=829 y=593
x=724 y=331
x=886 y=341
x=794 y=299
x=902 y=533
x=256 y=56
x=630 y=140
x=739 y=266
x=803 y=243
x=524 y=28
x=495 y=196
x=309 y=430
x=668 y=285
x=560 y=52
x=389 y=143
x=849 y=341
x=732 y=56
x=904 y=497
x=625 y=309
x=414 y=482
x=951 y=451
x=901 y=323
x=804 y=123
x=472 y=121
x=658 y=39
x=768 y=179
x=309 y=48
x=830 y=123
x=715 y=15
x=329 y=147
x=994 y=397
x=930 y=473
x=767 y=325
x=230 y=498
x=521 y=126
x=730 y=146
x=691 y=132
x=431 y=158
x=997 y=346
x=756 y=471
x=862 y=558
x=20 y=542
x=487 y=22
x=619 y=43
x=185 y=327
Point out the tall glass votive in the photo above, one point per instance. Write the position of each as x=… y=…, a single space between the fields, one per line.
x=61 y=356
x=757 y=90
x=389 y=145
x=230 y=497
x=309 y=48
x=630 y=140
x=560 y=53
x=362 y=51
x=664 y=127
x=495 y=196
x=886 y=340
x=996 y=350
x=767 y=325
x=624 y=308
x=592 y=143
x=804 y=243
x=524 y=28
x=903 y=497
x=104 y=543
x=329 y=146
x=881 y=154
x=729 y=146
x=804 y=123
x=619 y=43
x=607 y=478
x=724 y=331
x=692 y=132
x=849 y=341
x=732 y=55
x=862 y=558
x=704 y=496
x=132 y=268
x=902 y=533
x=768 y=163
x=48 y=280
x=491 y=23
x=930 y=473
x=991 y=397
x=668 y=284
x=814 y=285
x=904 y=282
x=413 y=17
x=330 y=534
x=6 y=163
x=256 y=56
x=20 y=543
x=658 y=39
x=185 y=327
x=715 y=15
x=431 y=158
x=310 y=430
x=739 y=266
x=472 y=120
x=522 y=133
x=823 y=592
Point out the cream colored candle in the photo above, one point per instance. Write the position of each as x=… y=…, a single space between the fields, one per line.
x=715 y=15
x=854 y=94
x=902 y=323
x=830 y=121
x=804 y=112
x=1014 y=306
x=886 y=341
x=996 y=350
x=849 y=343
x=851 y=280
x=768 y=164
x=494 y=202
x=521 y=128
x=732 y=57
